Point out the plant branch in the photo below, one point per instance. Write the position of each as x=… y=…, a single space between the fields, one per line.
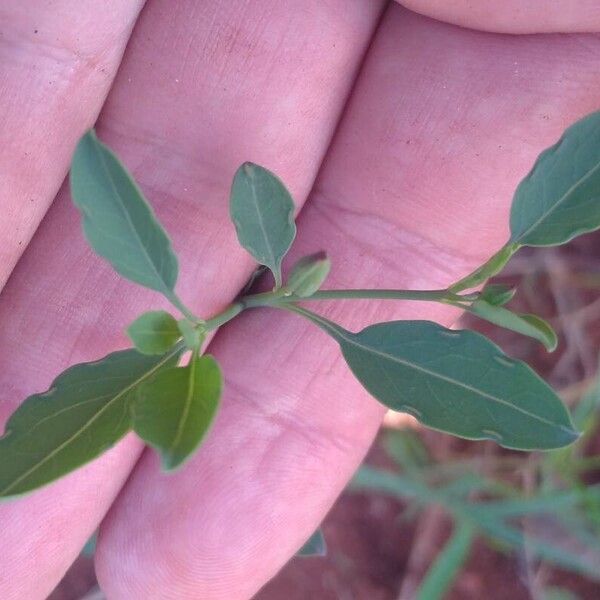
x=282 y=299
x=232 y=311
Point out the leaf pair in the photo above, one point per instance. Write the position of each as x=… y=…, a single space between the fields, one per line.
x=175 y=407
x=86 y=411
x=91 y=406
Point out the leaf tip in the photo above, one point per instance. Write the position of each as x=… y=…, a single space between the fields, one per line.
x=171 y=463
x=249 y=168
x=565 y=436
x=569 y=435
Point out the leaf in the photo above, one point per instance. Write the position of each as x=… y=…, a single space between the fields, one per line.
x=560 y=198
x=497 y=294
x=491 y=267
x=529 y=325
x=308 y=275
x=447 y=564
x=314 y=546
x=118 y=222
x=173 y=411
x=455 y=381
x=84 y=413
x=192 y=336
x=263 y=213
x=154 y=332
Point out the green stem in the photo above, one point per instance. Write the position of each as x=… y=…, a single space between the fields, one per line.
x=278 y=298
x=425 y=295
x=232 y=311
x=281 y=299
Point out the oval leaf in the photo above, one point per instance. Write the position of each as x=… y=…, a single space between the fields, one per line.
x=174 y=410
x=85 y=412
x=263 y=213
x=118 y=222
x=154 y=332
x=529 y=325
x=560 y=198
x=308 y=275
x=455 y=381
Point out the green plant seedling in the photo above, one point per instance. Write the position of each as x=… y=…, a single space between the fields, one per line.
x=455 y=381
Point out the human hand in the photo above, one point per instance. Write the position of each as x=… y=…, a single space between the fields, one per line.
x=414 y=187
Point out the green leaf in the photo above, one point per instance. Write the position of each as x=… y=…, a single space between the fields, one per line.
x=447 y=564
x=491 y=267
x=497 y=294
x=174 y=410
x=118 y=222
x=308 y=275
x=263 y=213
x=154 y=332
x=454 y=381
x=529 y=325
x=84 y=413
x=560 y=198
x=192 y=336
x=314 y=546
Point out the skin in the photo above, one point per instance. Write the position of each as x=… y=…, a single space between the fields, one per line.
x=406 y=173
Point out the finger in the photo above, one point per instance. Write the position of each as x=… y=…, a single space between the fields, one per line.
x=58 y=60
x=414 y=192
x=203 y=87
x=514 y=16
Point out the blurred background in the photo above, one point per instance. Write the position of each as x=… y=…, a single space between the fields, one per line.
x=429 y=516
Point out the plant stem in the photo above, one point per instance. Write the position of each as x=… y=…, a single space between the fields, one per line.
x=280 y=299
x=273 y=299
x=425 y=295
x=232 y=311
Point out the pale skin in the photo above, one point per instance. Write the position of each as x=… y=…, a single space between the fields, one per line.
x=405 y=175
